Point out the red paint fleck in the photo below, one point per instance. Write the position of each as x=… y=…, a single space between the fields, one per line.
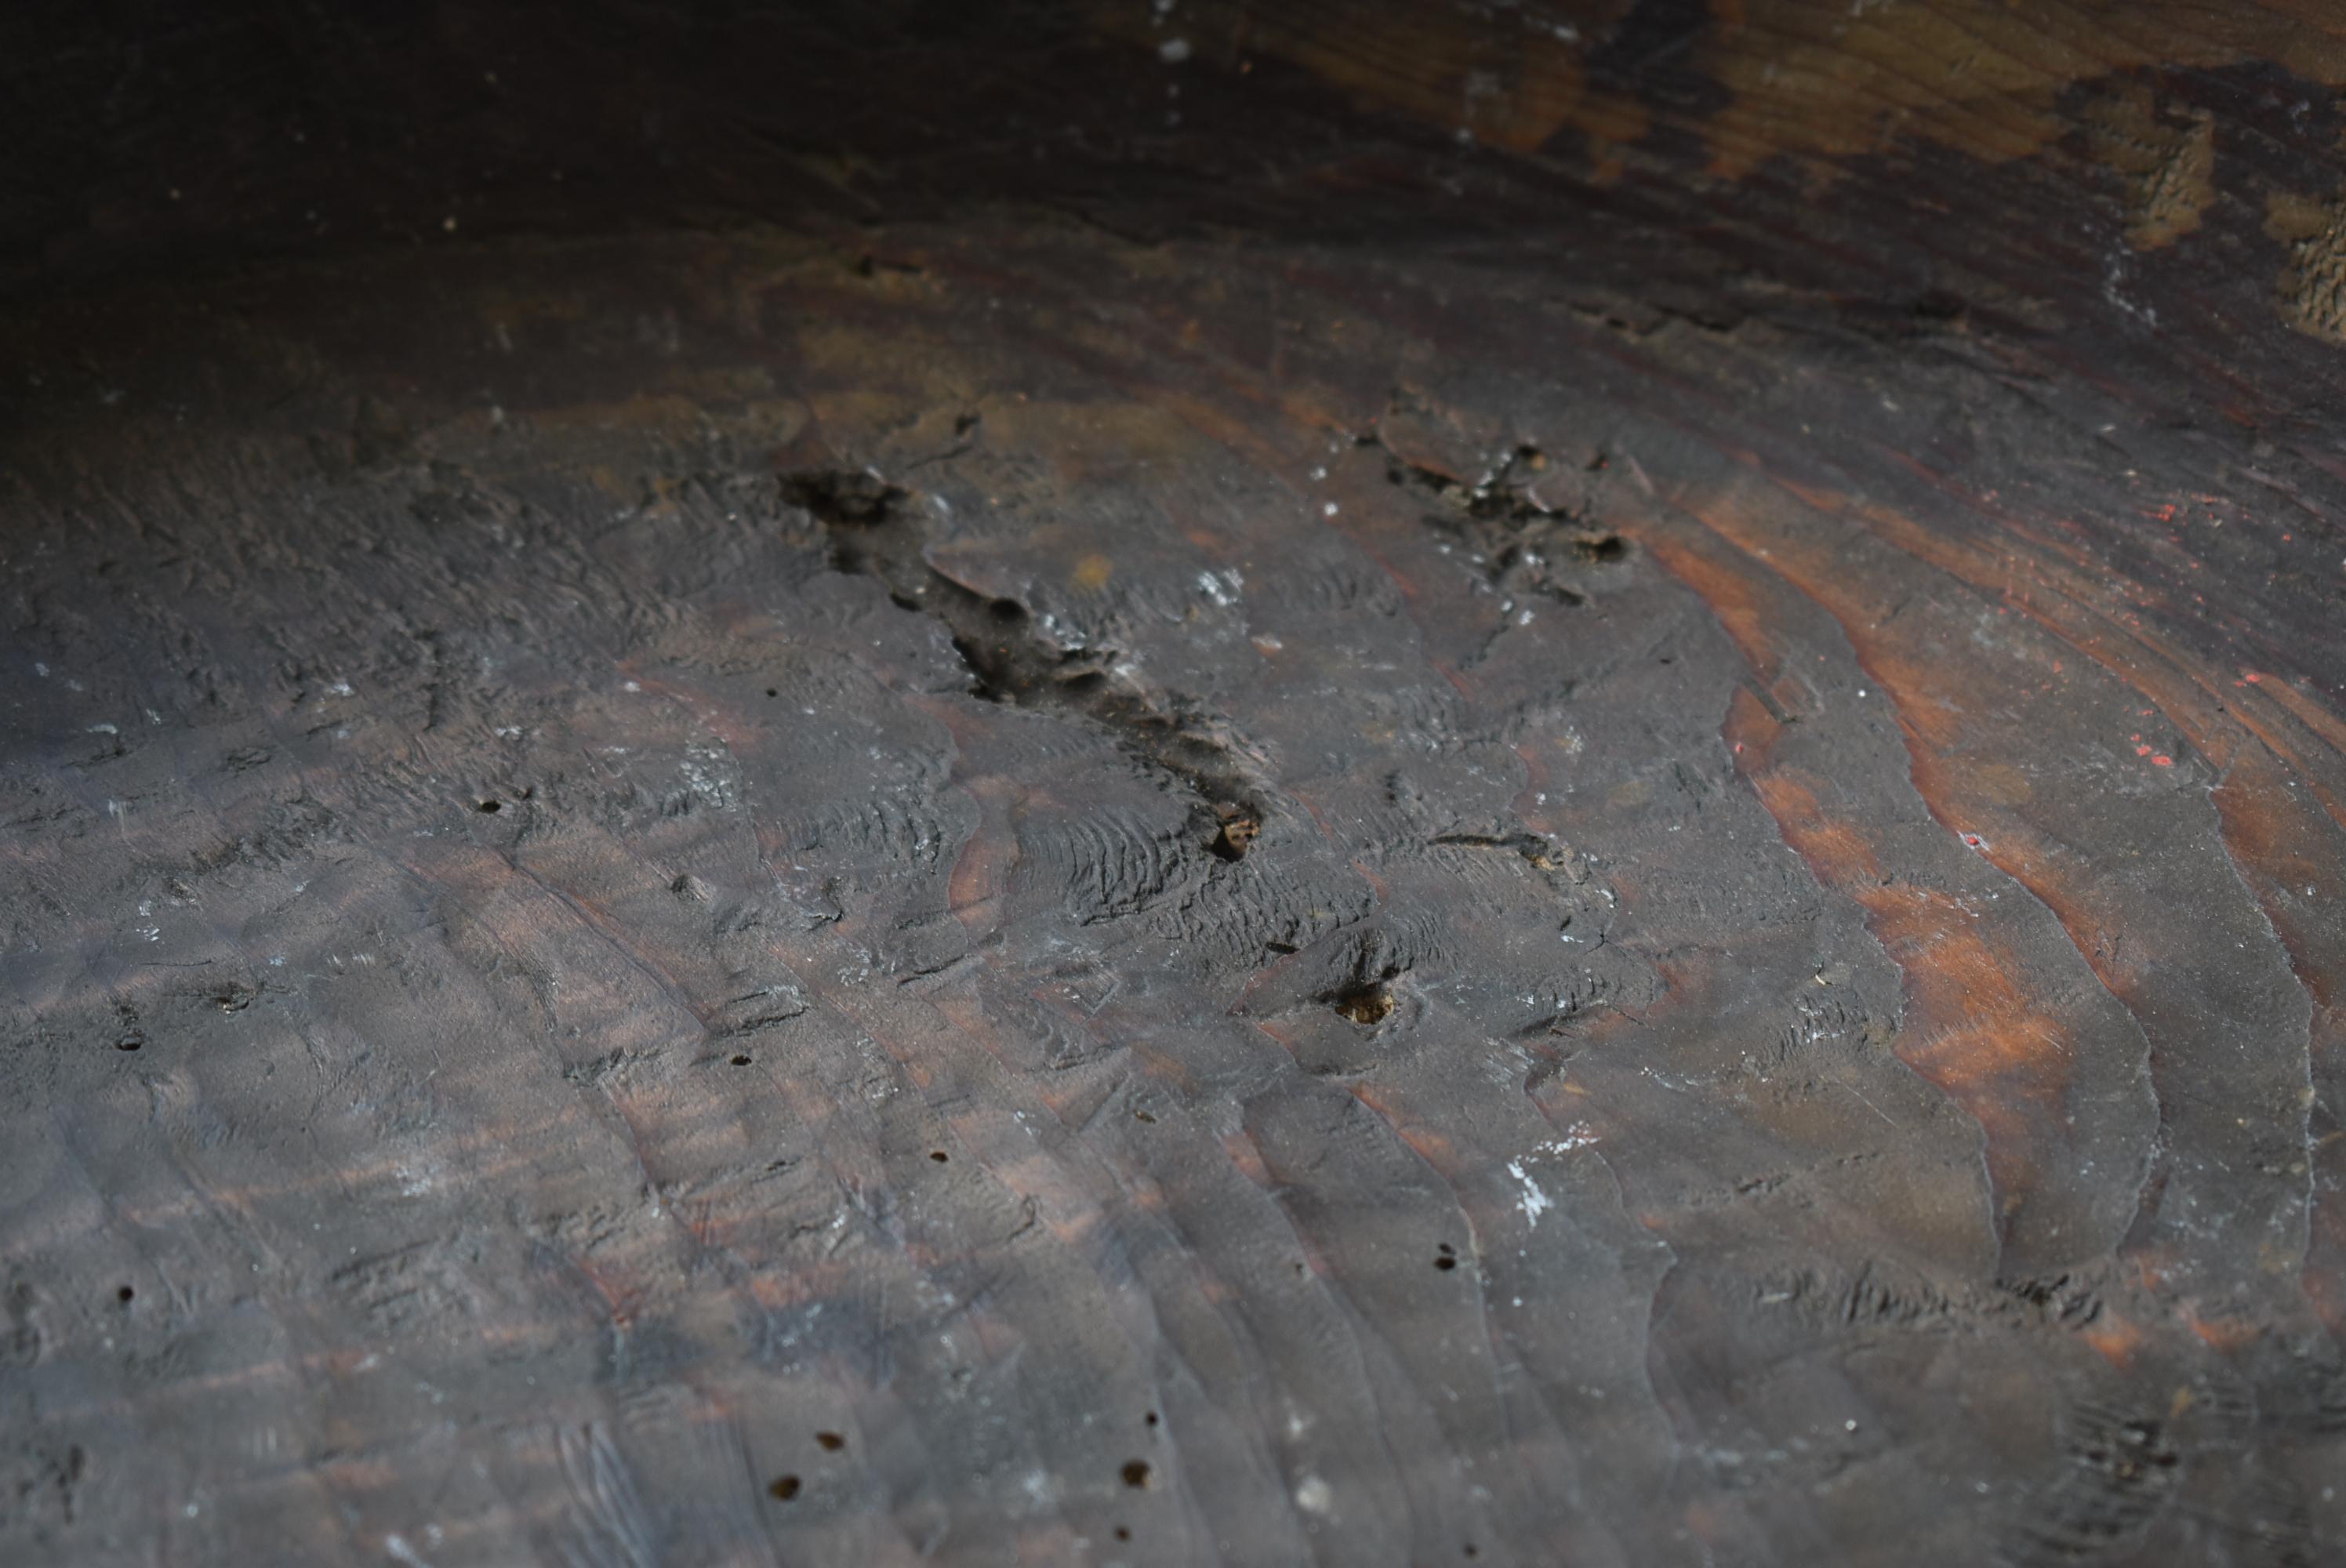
x=2162 y=760
x=1974 y=841
x=2142 y=751
x=2252 y=677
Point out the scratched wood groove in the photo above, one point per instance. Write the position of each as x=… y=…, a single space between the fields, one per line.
x=1554 y=803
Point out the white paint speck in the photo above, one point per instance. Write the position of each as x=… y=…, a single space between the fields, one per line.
x=1535 y=1202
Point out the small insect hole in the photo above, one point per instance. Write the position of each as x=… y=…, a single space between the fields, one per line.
x=1238 y=831
x=1363 y=1002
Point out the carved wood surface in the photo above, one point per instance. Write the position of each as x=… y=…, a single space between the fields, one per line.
x=1267 y=839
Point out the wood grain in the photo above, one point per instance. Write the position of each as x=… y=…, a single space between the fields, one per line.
x=934 y=819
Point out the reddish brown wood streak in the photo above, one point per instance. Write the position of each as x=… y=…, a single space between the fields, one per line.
x=2277 y=748
x=1996 y=1050
x=1975 y=1028
x=1988 y=804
